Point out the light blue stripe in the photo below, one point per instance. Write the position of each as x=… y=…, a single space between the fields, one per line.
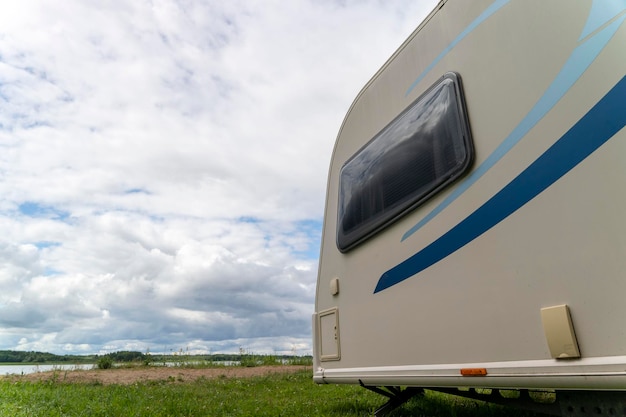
x=483 y=16
x=575 y=66
x=601 y=12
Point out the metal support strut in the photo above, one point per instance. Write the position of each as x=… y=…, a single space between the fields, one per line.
x=397 y=396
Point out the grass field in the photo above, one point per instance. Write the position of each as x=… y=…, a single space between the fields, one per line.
x=291 y=394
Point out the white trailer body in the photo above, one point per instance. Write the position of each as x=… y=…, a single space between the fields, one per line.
x=474 y=231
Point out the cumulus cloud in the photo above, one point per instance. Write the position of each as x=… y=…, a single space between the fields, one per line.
x=163 y=166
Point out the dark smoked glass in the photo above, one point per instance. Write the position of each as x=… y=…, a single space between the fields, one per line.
x=417 y=154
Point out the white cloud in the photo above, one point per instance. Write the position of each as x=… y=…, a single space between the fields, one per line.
x=163 y=166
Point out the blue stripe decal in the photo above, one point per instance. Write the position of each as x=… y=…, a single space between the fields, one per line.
x=601 y=12
x=601 y=123
x=495 y=6
x=574 y=67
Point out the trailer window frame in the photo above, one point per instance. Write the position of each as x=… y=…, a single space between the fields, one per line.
x=418 y=154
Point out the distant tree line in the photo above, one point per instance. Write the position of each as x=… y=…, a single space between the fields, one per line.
x=39 y=357
x=126 y=356
x=12 y=356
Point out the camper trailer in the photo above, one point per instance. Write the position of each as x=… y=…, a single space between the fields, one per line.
x=474 y=231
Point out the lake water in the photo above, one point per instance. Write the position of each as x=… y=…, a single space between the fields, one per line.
x=31 y=368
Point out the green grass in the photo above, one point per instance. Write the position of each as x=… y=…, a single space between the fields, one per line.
x=275 y=395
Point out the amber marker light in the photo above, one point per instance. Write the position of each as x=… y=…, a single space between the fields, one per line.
x=473 y=371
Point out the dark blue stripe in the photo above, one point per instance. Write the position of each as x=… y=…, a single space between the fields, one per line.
x=601 y=123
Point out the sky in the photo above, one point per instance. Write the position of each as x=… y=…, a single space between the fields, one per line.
x=163 y=166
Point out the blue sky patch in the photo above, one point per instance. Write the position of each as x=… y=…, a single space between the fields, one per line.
x=46 y=244
x=137 y=191
x=32 y=209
